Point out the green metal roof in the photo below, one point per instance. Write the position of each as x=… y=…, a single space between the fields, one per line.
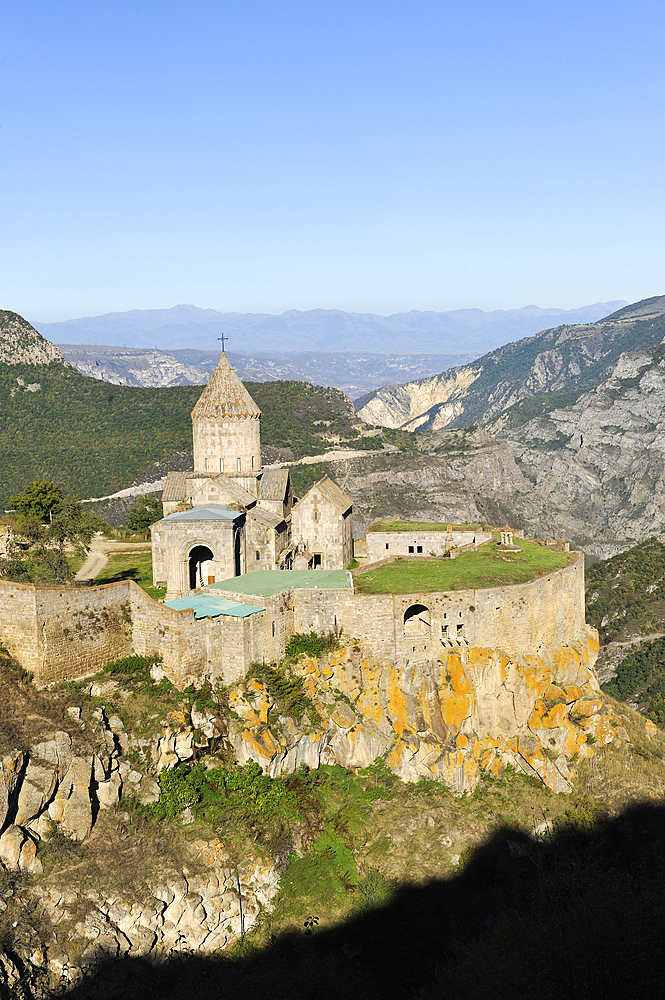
x=267 y=583
x=211 y=606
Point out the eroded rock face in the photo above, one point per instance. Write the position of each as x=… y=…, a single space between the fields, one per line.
x=449 y=719
x=54 y=784
x=184 y=912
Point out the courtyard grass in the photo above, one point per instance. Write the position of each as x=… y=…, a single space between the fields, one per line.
x=469 y=571
x=130 y=565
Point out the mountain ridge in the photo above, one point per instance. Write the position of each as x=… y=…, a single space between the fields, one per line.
x=557 y=359
x=316 y=329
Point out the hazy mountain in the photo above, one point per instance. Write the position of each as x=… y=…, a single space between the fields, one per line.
x=563 y=359
x=468 y=330
x=355 y=372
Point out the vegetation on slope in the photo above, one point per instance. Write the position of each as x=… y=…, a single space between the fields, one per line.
x=626 y=594
x=469 y=571
x=92 y=438
x=640 y=678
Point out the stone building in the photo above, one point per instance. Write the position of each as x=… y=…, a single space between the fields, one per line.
x=321 y=528
x=230 y=516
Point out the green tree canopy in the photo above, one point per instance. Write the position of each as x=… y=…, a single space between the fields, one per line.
x=144 y=511
x=37 y=500
x=41 y=552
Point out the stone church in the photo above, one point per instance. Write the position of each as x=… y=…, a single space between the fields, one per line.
x=229 y=516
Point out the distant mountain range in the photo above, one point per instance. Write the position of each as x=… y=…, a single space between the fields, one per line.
x=186 y=326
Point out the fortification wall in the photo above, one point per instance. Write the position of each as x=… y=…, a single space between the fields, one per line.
x=521 y=618
x=64 y=633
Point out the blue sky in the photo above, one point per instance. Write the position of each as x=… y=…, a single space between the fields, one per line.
x=261 y=156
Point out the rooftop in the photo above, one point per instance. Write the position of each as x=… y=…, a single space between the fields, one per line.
x=267 y=583
x=486 y=567
x=225 y=395
x=210 y=606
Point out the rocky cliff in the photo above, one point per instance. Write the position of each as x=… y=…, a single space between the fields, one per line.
x=21 y=344
x=564 y=359
x=110 y=887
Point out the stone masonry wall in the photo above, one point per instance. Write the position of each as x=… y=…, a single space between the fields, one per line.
x=432 y=543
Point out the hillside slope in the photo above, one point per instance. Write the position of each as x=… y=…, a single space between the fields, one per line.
x=93 y=438
x=20 y=343
x=567 y=358
x=601 y=460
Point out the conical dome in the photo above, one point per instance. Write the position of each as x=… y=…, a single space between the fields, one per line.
x=225 y=395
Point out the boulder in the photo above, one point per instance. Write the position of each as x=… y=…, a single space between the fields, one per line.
x=72 y=806
x=18 y=851
x=11 y=770
x=36 y=790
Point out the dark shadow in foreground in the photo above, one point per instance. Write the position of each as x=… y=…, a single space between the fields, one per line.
x=579 y=916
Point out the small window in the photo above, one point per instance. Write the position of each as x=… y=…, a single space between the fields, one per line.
x=335 y=617
x=419 y=549
x=257 y=554
x=445 y=615
x=315 y=515
x=239 y=465
x=221 y=465
x=460 y=629
x=459 y=614
x=208 y=465
x=387 y=546
x=273 y=630
x=410 y=549
x=444 y=631
x=252 y=461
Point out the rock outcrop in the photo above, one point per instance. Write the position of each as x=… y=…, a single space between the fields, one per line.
x=20 y=343
x=470 y=710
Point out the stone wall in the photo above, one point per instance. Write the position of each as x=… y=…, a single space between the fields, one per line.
x=419 y=543
x=319 y=527
x=60 y=632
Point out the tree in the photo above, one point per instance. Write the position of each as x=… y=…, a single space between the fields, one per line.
x=38 y=500
x=43 y=555
x=144 y=511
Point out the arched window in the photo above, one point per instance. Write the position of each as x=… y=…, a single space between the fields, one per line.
x=257 y=554
x=221 y=465
x=239 y=465
x=417 y=620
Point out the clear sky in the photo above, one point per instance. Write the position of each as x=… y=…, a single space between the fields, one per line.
x=353 y=154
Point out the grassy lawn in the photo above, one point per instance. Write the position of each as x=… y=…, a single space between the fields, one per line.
x=469 y=571
x=130 y=565
x=420 y=526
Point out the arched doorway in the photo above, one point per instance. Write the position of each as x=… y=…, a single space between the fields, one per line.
x=417 y=621
x=199 y=555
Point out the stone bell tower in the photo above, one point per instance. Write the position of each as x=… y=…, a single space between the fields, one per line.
x=226 y=426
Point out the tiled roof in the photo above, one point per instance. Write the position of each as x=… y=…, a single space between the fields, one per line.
x=174 y=487
x=225 y=395
x=228 y=486
x=331 y=492
x=265 y=516
x=273 y=484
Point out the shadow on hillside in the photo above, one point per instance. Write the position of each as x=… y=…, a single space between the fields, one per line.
x=580 y=916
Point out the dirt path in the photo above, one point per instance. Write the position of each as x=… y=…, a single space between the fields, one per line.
x=100 y=550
